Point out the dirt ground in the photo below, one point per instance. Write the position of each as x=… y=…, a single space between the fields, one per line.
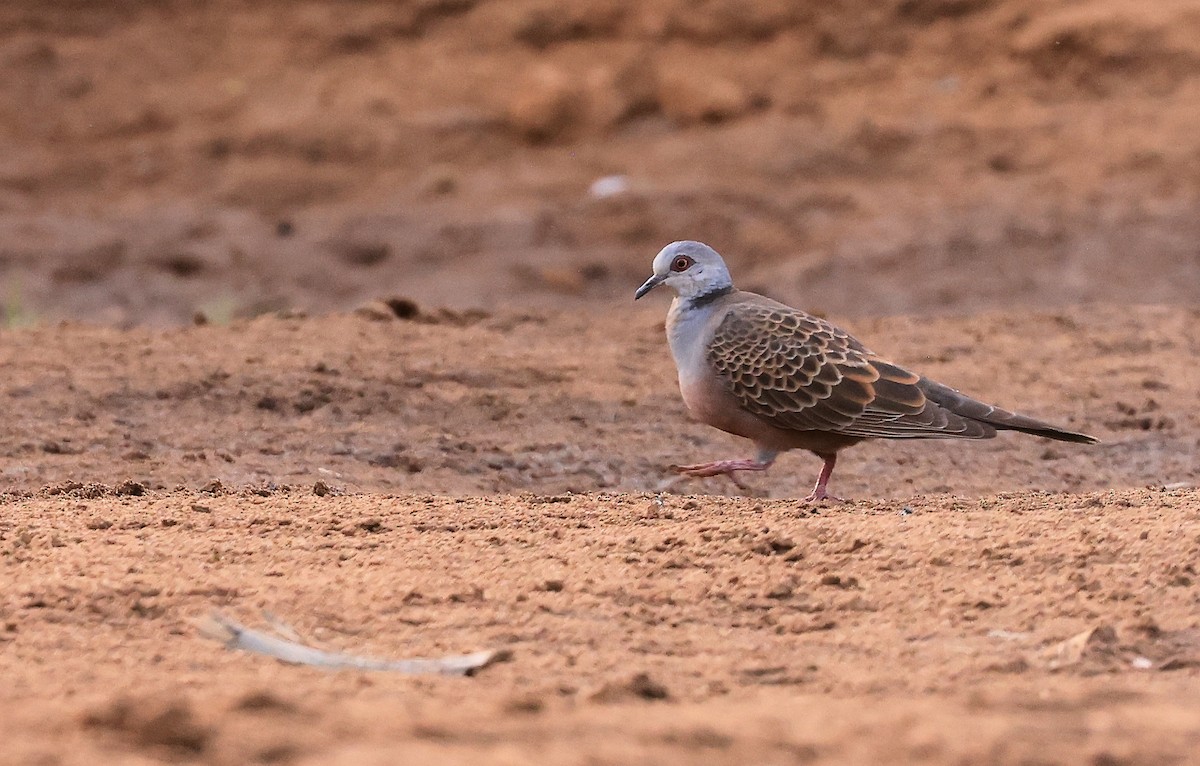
x=864 y=157
x=316 y=309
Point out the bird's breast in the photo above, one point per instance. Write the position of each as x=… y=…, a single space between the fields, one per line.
x=688 y=333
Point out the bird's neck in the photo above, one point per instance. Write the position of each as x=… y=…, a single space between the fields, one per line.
x=687 y=322
x=705 y=298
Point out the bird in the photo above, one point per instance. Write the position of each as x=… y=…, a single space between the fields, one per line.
x=785 y=379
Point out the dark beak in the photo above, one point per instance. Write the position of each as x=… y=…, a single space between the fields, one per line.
x=649 y=285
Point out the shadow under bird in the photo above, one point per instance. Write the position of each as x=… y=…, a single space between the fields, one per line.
x=785 y=379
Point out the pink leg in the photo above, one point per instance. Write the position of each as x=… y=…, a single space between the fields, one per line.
x=728 y=467
x=819 y=492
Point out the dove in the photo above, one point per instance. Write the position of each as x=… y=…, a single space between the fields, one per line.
x=785 y=379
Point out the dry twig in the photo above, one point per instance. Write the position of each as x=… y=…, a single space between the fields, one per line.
x=237 y=636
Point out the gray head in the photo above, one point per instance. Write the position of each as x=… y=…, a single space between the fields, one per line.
x=691 y=269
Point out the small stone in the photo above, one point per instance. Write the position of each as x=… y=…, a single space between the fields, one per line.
x=640 y=686
x=130 y=488
x=780 y=591
x=403 y=308
x=837 y=581
x=609 y=186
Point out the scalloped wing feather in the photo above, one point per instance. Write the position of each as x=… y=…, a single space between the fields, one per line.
x=801 y=373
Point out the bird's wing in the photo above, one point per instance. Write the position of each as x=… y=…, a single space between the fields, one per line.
x=801 y=373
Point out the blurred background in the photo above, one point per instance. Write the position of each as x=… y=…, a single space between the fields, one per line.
x=163 y=159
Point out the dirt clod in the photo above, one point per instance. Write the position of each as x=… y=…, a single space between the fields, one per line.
x=130 y=488
x=639 y=686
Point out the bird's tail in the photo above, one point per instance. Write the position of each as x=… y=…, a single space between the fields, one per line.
x=1002 y=419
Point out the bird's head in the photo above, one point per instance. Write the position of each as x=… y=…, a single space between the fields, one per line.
x=691 y=269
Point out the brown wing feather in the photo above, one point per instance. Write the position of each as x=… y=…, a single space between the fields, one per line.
x=1001 y=419
x=802 y=373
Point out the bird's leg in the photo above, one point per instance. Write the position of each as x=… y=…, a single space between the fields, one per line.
x=819 y=492
x=729 y=468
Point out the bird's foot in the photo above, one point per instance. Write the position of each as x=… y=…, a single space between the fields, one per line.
x=722 y=468
x=820 y=493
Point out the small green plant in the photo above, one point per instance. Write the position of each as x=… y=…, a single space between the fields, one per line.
x=220 y=310
x=16 y=313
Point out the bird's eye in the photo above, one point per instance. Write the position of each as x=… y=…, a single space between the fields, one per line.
x=681 y=263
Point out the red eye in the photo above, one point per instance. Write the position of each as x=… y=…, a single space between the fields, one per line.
x=681 y=263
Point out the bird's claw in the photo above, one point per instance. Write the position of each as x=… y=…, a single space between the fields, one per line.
x=721 y=468
x=817 y=495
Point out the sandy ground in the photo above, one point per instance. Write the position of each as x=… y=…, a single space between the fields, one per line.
x=313 y=309
x=163 y=474
x=765 y=633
